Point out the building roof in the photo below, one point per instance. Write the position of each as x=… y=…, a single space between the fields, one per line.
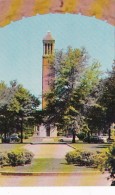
x=48 y=37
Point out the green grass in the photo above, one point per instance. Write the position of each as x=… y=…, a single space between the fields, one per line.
x=47 y=165
x=9 y=147
x=56 y=139
x=90 y=147
x=51 y=165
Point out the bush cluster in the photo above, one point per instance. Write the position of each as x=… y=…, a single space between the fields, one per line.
x=16 y=158
x=85 y=158
x=110 y=160
x=25 y=135
x=81 y=136
x=3 y=158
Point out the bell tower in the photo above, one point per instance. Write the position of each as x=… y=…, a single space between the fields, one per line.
x=48 y=49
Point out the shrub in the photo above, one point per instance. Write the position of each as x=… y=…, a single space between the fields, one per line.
x=110 y=160
x=100 y=160
x=16 y=158
x=29 y=134
x=3 y=159
x=86 y=158
x=28 y=157
x=73 y=156
x=25 y=136
x=103 y=160
x=19 y=157
x=61 y=134
x=81 y=136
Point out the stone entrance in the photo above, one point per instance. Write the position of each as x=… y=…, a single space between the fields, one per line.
x=47 y=131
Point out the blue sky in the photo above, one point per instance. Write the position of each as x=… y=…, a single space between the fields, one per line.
x=21 y=46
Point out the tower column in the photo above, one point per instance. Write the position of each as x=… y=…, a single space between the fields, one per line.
x=50 y=49
x=47 y=78
x=48 y=46
x=43 y=49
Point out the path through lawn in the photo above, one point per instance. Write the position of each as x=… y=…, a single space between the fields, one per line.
x=50 y=158
x=57 y=151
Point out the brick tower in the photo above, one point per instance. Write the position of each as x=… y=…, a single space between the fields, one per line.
x=48 y=49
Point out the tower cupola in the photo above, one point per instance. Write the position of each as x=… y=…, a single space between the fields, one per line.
x=48 y=44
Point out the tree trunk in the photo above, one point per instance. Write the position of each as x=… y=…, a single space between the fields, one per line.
x=109 y=133
x=73 y=140
x=88 y=134
x=5 y=133
x=5 y=136
x=22 y=129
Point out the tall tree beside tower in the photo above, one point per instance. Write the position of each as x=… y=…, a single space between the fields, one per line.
x=70 y=94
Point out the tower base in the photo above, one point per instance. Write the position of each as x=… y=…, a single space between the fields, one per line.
x=47 y=132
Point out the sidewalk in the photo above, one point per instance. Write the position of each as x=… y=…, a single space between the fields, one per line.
x=57 y=151
x=54 y=180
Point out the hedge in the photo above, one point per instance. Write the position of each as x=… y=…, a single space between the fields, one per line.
x=85 y=158
x=16 y=158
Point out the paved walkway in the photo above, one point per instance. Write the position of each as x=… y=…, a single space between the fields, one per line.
x=71 y=180
x=57 y=151
x=36 y=139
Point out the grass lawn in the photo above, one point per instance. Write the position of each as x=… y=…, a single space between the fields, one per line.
x=48 y=165
x=56 y=139
x=90 y=147
x=9 y=147
x=51 y=164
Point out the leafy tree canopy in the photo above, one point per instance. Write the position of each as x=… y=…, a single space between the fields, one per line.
x=16 y=102
x=72 y=89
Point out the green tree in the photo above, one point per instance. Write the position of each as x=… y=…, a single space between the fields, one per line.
x=17 y=106
x=108 y=99
x=74 y=81
x=96 y=113
x=6 y=95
